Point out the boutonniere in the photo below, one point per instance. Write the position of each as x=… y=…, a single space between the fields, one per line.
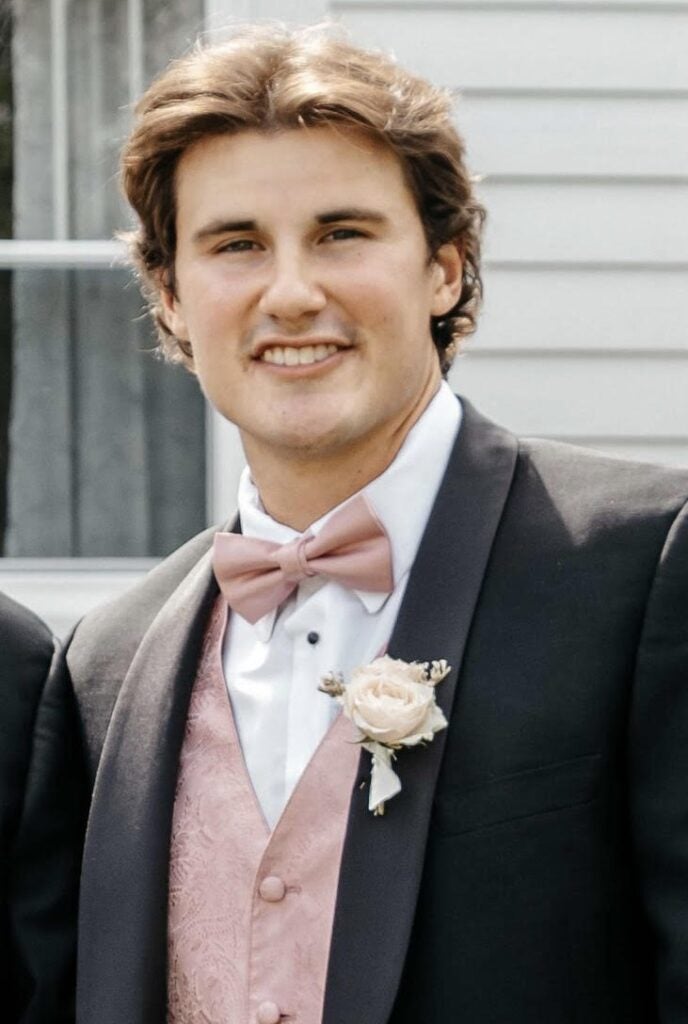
x=392 y=704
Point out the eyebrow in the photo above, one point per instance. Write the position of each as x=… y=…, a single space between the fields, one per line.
x=351 y=213
x=226 y=227
x=223 y=227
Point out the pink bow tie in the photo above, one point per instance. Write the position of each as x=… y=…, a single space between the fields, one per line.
x=353 y=548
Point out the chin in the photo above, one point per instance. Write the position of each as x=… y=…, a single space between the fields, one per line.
x=313 y=440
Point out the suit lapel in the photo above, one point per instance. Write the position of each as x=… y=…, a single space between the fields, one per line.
x=383 y=857
x=123 y=915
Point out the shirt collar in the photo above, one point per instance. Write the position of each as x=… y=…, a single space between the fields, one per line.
x=402 y=496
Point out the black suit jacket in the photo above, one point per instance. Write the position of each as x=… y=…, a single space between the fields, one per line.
x=535 y=865
x=38 y=840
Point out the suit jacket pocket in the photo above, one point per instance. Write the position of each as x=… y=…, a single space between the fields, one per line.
x=551 y=787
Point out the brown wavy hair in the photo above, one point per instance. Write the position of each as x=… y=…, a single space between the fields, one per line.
x=268 y=78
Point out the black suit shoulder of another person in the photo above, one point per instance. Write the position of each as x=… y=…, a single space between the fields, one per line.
x=26 y=651
x=41 y=821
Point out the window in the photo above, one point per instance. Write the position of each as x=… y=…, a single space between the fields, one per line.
x=103 y=449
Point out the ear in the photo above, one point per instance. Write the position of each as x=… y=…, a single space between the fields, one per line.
x=172 y=311
x=447 y=270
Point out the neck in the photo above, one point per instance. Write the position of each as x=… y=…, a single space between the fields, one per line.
x=296 y=490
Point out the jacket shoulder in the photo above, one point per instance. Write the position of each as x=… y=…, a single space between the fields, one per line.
x=21 y=632
x=26 y=653
x=593 y=487
x=582 y=488
x=26 y=650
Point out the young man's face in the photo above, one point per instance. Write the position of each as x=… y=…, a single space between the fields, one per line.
x=304 y=287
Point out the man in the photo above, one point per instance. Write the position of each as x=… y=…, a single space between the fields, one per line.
x=38 y=865
x=309 y=241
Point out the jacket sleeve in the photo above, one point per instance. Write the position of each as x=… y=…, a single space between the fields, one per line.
x=45 y=862
x=658 y=774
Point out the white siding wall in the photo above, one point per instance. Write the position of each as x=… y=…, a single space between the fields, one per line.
x=576 y=114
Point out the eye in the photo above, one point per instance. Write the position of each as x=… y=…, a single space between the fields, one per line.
x=238 y=245
x=342 y=234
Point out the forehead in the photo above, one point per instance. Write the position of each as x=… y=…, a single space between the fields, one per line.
x=306 y=166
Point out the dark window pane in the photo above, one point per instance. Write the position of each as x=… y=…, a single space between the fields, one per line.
x=96 y=113
x=102 y=448
x=106 y=442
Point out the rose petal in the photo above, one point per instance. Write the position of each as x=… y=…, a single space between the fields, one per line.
x=388 y=709
x=434 y=722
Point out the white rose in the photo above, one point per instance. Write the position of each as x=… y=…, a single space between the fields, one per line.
x=389 y=704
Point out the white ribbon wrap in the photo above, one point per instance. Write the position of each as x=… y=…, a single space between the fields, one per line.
x=384 y=781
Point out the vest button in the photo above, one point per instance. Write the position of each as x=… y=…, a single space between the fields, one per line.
x=272 y=890
x=268 y=1013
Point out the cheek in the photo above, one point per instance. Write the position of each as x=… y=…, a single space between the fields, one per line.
x=212 y=299
x=393 y=287
x=393 y=308
x=373 y=297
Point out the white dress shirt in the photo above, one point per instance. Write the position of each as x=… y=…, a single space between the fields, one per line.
x=273 y=667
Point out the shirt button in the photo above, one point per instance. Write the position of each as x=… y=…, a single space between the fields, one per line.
x=268 y=1013
x=272 y=890
x=313 y=637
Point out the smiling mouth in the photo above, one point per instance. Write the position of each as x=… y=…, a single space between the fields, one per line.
x=303 y=355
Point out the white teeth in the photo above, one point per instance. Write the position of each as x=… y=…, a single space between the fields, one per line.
x=292 y=356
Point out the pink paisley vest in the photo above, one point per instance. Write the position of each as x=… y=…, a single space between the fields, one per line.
x=250 y=912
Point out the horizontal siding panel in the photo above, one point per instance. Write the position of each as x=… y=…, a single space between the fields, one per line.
x=587 y=222
x=585 y=5
x=575 y=135
x=583 y=309
x=573 y=396
x=549 y=48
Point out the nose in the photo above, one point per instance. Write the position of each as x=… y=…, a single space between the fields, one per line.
x=291 y=292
